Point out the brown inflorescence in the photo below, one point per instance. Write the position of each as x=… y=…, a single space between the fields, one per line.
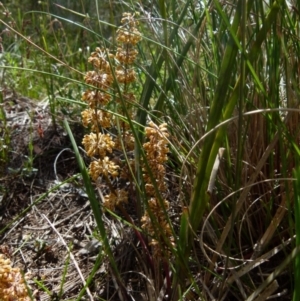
x=96 y=118
x=118 y=70
x=120 y=196
x=156 y=151
x=104 y=167
x=128 y=33
x=12 y=286
x=127 y=38
x=99 y=144
x=95 y=98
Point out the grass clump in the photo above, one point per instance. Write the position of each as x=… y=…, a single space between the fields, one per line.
x=116 y=72
x=191 y=120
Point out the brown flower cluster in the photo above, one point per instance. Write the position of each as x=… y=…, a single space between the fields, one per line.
x=156 y=150
x=120 y=196
x=12 y=286
x=101 y=78
x=127 y=38
x=99 y=144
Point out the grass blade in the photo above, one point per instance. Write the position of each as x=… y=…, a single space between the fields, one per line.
x=296 y=295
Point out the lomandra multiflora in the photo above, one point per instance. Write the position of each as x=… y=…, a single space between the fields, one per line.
x=12 y=285
x=111 y=78
x=154 y=221
x=99 y=144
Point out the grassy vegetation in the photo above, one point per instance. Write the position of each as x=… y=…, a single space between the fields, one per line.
x=224 y=77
